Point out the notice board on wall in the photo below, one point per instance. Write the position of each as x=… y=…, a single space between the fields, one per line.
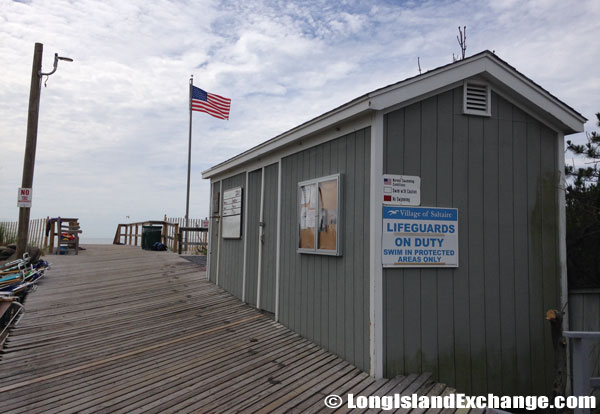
x=232 y=213
x=420 y=237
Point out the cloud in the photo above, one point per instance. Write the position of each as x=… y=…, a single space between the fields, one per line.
x=113 y=127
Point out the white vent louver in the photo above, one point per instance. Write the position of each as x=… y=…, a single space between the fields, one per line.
x=476 y=100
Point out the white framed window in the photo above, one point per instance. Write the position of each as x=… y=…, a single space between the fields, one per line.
x=319 y=215
x=477 y=99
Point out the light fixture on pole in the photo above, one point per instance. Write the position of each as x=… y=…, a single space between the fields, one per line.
x=56 y=59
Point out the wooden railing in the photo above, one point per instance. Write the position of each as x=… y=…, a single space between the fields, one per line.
x=192 y=239
x=131 y=233
x=37 y=232
x=583 y=379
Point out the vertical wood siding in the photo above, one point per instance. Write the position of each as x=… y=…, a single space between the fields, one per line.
x=267 y=281
x=326 y=298
x=214 y=235
x=253 y=197
x=479 y=327
x=231 y=259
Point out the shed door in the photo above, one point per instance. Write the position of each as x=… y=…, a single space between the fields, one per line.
x=213 y=243
x=268 y=240
x=253 y=197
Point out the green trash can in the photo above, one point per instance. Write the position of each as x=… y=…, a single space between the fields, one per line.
x=150 y=235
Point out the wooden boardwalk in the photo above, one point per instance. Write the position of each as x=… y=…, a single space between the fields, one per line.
x=121 y=330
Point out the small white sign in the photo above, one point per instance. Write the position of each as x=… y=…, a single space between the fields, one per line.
x=204 y=223
x=232 y=202
x=232 y=213
x=420 y=237
x=24 y=197
x=401 y=190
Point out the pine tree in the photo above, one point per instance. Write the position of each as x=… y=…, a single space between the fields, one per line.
x=583 y=215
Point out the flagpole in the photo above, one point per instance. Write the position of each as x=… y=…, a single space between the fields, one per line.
x=187 y=199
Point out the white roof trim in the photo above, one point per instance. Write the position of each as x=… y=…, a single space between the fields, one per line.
x=426 y=83
x=483 y=63
x=349 y=110
x=536 y=95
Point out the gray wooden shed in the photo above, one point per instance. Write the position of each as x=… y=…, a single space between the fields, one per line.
x=297 y=227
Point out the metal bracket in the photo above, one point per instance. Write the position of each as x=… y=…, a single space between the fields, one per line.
x=56 y=59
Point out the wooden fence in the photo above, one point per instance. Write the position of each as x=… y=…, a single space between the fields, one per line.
x=194 y=238
x=131 y=233
x=37 y=232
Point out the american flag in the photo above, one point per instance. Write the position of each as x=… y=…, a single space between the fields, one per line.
x=387 y=181
x=210 y=103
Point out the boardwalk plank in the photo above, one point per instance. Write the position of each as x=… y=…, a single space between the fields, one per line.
x=121 y=330
x=72 y=385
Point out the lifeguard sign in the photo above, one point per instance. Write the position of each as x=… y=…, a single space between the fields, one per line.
x=420 y=237
x=24 y=197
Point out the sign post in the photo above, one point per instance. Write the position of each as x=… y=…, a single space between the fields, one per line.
x=420 y=237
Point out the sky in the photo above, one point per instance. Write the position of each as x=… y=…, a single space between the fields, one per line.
x=113 y=124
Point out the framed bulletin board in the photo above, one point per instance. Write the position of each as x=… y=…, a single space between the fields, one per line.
x=319 y=207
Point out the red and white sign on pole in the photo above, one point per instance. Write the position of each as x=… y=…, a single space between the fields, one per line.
x=24 y=197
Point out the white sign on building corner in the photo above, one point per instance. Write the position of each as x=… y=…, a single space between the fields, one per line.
x=24 y=197
x=401 y=190
x=420 y=237
x=232 y=213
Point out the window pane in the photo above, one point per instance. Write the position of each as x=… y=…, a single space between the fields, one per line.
x=308 y=214
x=328 y=216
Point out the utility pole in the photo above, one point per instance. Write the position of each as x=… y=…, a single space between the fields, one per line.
x=30 y=144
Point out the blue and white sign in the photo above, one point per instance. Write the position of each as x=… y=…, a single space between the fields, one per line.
x=420 y=237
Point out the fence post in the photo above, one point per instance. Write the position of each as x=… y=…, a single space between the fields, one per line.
x=176 y=239
x=51 y=248
x=41 y=232
x=36 y=234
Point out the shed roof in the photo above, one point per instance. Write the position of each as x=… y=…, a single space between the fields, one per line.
x=484 y=64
